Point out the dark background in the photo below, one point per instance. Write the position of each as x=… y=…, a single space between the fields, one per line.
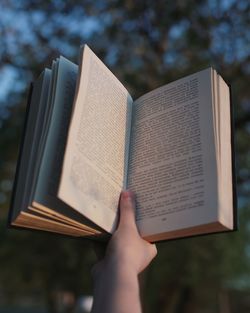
x=146 y=44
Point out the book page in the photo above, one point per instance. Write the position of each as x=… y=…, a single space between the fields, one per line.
x=172 y=167
x=26 y=160
x=55 y=134
x=44 y=126
x=94 y=170
x=225 y=153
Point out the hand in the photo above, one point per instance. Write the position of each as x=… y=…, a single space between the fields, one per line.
x=126 y=248
x=116 y=287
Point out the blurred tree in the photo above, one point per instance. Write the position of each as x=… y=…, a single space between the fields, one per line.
x=146 y=44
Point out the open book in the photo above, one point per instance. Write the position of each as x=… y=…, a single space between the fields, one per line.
x=86 y=139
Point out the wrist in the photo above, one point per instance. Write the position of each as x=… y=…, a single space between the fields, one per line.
x=113 y=268
x=112 y=273
x=116 y=289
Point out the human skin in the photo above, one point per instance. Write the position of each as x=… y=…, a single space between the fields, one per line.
x=116 y=286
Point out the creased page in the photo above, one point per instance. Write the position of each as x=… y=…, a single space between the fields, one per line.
x=172 y=167
x=96 y=153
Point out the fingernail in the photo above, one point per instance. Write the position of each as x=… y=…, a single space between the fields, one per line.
x=127 y=195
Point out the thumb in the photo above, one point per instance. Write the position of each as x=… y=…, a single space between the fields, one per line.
x=127 y=209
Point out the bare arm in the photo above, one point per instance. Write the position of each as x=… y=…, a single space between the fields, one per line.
x=116 y=287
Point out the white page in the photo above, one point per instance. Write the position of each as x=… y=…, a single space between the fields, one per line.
x=94 y=170
x=172 y=168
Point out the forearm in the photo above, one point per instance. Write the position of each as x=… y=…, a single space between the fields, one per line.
x=116 y=290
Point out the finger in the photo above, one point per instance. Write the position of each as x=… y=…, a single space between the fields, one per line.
x=151 y=253
x=153 y=250
x=127 y=209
